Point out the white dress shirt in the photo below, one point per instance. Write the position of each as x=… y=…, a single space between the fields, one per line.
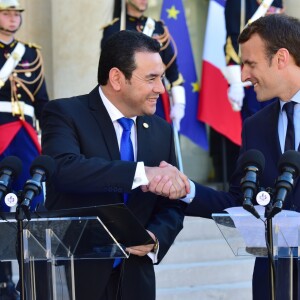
x=140 y=177
x=283 y=122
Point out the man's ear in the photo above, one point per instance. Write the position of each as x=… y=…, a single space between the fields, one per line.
x=116 y=77
x=283 y=58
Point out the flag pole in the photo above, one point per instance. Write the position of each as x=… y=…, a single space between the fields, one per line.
x=123 y=15
x=177 y=148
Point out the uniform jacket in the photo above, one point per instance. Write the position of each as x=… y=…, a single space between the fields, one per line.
x=79 y=135
x=28 y=78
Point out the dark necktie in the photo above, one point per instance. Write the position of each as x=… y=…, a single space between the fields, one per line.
x=290 y=132
x=126 y=152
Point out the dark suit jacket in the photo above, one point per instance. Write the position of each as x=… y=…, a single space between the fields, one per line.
x=79 y=135
x=259 y=132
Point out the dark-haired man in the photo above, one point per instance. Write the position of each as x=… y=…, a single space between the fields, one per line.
x=136 y=20
x=84 y=135
x=271 y=62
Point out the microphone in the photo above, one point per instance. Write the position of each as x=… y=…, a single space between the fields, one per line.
x=289 y=168
x=41 y=169
x=253 y=163
x=10 y=167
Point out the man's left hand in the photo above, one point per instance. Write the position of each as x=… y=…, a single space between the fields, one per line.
x=143 y=249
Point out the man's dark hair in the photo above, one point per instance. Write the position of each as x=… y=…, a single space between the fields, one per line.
x=277 y=31
x=119 y=52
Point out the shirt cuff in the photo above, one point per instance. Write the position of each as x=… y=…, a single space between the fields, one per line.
x=190 y=197
x=140 y=177
x=153 y=255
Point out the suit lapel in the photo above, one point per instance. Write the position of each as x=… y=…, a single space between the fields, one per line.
x=101 y=116
x=143 y=126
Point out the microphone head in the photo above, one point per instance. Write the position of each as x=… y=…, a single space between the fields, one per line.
x=12 y=163
x=45 y=163
x=291 y=159
x=252 y=157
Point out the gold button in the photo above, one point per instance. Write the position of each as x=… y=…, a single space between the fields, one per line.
x=19 y=96
x=146 y=125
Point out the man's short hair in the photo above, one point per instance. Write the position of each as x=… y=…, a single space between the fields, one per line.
x=119 y=52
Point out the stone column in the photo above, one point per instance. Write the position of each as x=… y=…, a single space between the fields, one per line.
x=293 y=8
x=69 y=33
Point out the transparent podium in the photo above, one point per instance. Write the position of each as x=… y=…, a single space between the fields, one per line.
x=247 y=235
x=52 y=241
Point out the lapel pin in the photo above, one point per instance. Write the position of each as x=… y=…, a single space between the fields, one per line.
x=146 y=125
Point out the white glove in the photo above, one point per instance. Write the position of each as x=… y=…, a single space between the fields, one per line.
x=236 y=95
x=235 y=91
x=178 y=105
x=177 y=113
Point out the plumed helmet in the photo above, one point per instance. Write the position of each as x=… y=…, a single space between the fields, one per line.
x=10 y=5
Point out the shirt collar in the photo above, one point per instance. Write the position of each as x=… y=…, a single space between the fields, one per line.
x=113 y=112
x=295 y=98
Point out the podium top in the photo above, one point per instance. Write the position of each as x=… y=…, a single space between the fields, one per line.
x=117 y=218
x=246 y=234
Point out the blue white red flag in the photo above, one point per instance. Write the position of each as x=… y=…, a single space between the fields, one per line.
x=214 y=107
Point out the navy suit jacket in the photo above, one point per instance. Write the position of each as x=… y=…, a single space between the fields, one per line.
x=79 y=134
x=260 y=132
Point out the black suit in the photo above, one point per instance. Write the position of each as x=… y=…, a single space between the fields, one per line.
x=79 y=134
x=259 y=132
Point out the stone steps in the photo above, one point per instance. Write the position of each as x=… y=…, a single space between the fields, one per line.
x=233 y=291
x=201 y=265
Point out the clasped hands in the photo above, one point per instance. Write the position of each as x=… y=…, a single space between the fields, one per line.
x=166 y=180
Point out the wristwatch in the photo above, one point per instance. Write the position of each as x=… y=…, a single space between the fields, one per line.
x=155 y=247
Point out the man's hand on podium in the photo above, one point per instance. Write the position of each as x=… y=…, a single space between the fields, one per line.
x=143 y=249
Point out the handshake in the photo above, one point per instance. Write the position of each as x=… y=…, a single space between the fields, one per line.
x=166 y=180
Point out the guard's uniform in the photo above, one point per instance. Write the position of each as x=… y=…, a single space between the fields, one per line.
x=22 y=98
x=167 y=52
x=233 y=21
x=250 y=103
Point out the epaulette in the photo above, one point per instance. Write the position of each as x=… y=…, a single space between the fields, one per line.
x=31 y=45
x=110 y=23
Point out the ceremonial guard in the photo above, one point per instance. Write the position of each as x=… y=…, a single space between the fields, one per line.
x=22 y=97
x=135 y=20
x=237 y=15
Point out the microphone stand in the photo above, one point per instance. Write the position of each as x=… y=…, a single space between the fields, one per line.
x=22 y=212
x=247 y=205
x=270 y=249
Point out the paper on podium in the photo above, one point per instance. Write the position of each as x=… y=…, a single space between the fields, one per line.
x=253 y=230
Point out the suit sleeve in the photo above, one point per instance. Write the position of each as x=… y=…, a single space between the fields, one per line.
x=167 y=218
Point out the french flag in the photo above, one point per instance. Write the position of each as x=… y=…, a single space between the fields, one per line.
x=214 y=108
